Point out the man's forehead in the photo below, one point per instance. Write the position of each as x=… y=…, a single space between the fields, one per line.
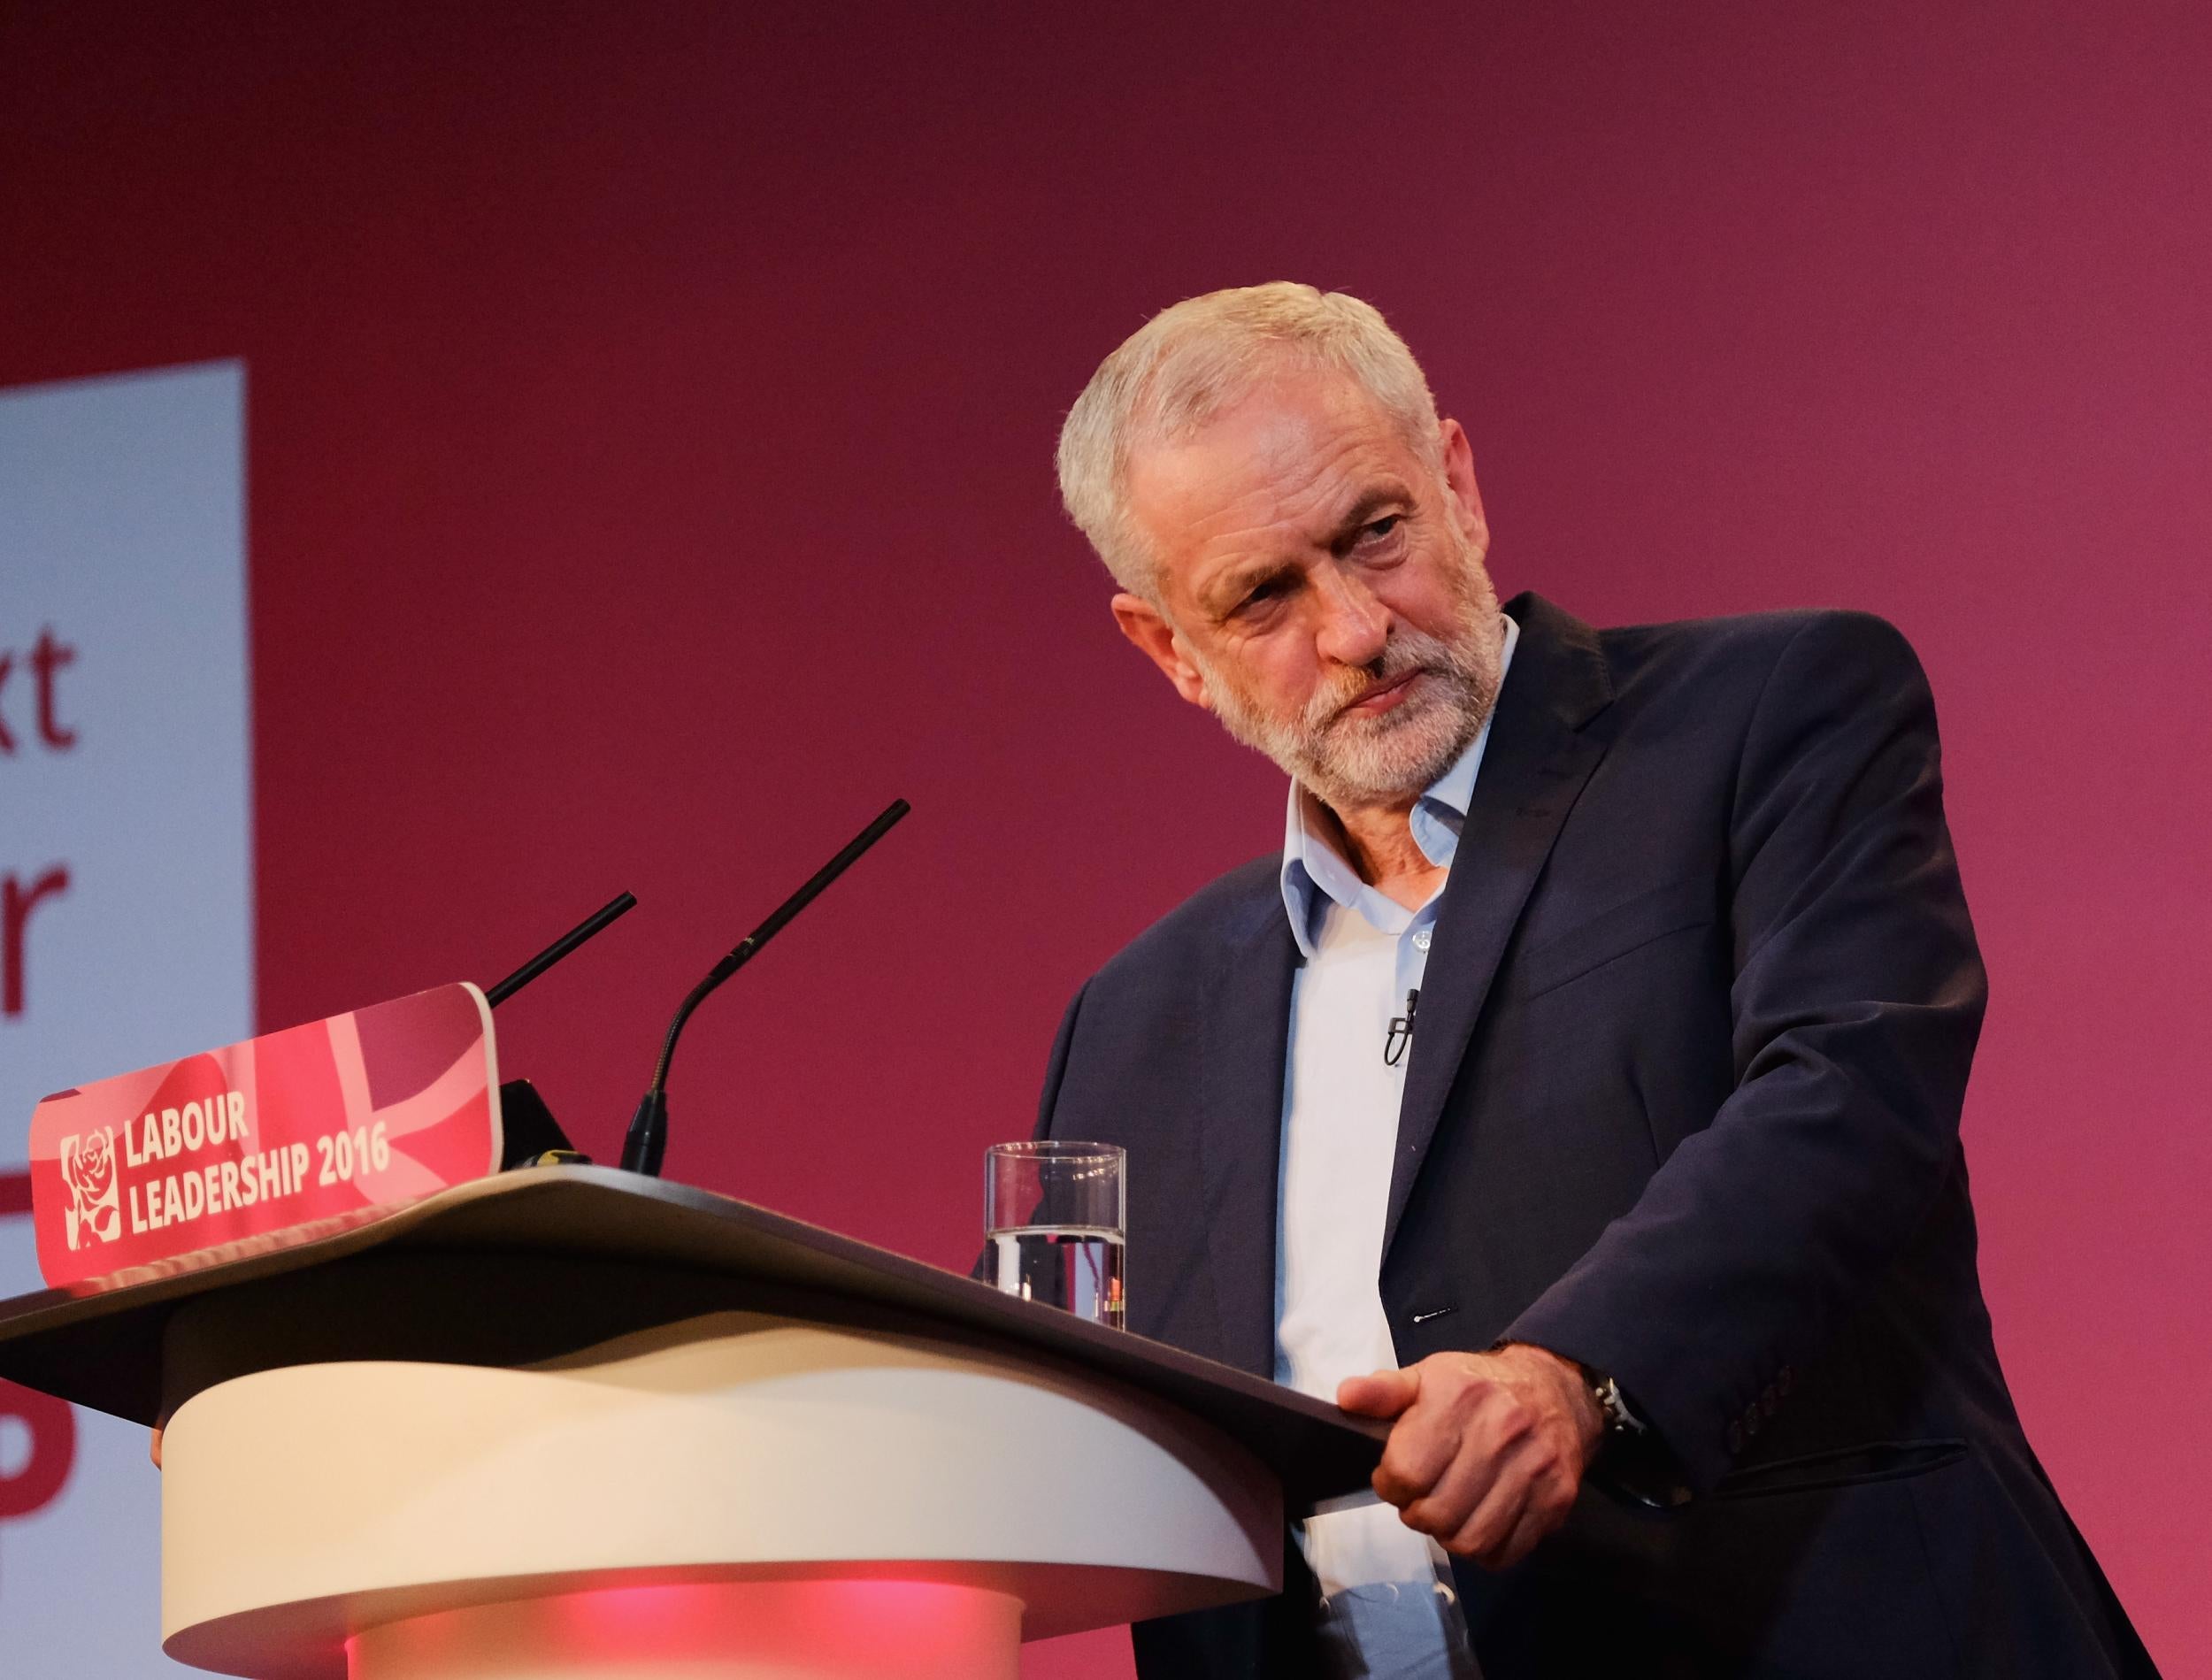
x=1291 y=452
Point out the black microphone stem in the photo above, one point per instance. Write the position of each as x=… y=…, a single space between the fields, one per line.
x=648 y=1137
x=589 y=927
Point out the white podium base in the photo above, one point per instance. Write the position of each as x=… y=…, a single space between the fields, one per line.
x=799 y=1498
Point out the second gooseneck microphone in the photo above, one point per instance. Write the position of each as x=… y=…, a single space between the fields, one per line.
x=648 y=1136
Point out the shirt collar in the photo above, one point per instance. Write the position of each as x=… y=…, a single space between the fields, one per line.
x=1315 y=873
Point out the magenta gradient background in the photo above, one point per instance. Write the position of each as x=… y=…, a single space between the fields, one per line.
x=651 y=417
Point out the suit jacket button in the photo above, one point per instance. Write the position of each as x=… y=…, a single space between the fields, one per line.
x=1735 y=1438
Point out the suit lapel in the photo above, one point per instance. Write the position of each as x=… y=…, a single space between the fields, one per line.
x=1246 y=1044
x=1532 y=772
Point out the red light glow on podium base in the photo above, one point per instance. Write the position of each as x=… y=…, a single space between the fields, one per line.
x=729 y=1630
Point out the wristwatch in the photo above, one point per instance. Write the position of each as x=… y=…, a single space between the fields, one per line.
x=1613 y=1406
x=1631 y=1462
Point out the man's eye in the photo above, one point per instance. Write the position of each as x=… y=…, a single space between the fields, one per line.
x=1385 y=525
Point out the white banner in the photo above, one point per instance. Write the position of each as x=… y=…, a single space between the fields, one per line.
x=126 y=893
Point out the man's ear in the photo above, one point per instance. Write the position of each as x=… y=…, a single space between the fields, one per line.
x=1141 y=622
x=1459 y=477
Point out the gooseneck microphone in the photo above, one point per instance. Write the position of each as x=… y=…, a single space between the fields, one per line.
x=648 y=1135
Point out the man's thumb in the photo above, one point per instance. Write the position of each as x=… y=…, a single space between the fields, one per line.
x=1380 y=1394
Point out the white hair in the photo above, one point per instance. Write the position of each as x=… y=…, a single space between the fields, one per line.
x=1188 y=364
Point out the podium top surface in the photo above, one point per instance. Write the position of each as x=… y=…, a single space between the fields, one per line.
x=533 y=1264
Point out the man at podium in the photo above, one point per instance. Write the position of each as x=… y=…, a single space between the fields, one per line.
x=1578 y=1086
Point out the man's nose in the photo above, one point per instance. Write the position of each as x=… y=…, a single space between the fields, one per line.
x=1353 y=624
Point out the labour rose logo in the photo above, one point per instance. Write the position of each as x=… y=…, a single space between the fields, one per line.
x=88 y=1167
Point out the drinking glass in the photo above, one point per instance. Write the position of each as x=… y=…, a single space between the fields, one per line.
x=1056 y=1214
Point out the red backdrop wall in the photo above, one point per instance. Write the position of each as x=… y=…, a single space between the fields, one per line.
x=650 y=419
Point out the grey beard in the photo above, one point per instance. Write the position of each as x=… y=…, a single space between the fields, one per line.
x=1349 y=761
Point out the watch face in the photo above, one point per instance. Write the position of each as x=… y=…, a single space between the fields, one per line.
x=1618 y=1418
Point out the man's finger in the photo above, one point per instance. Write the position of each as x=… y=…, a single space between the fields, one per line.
x=1421 y=1447
x=1494 y=1516
x=1529 y=1499
x=1537 y=1520
x=1380 y=1394
x=1455 y=1493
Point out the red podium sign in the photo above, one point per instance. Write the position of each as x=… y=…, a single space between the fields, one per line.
x=366 y=1110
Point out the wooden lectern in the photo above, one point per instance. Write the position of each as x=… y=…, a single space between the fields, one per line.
x=572 y=1423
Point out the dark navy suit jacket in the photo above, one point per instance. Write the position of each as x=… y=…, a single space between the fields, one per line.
x=1683 y=1105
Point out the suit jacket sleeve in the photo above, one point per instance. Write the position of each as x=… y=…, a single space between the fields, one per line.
x=1856 y=1001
